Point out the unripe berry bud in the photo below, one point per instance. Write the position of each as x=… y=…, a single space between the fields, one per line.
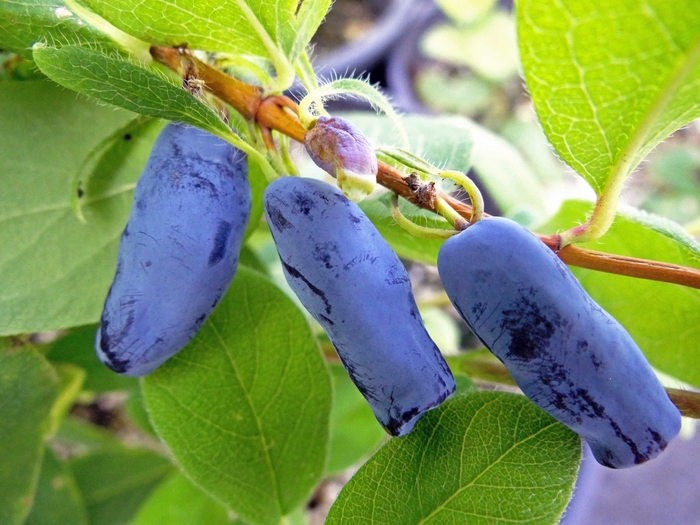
x=341 y=150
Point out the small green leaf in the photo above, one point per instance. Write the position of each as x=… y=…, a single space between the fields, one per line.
x=56 y=270
x=57 y=500
x=355 y=433
x=116 y=481
x=179 y=502
x=483 y=458
x=672 y=345
x=610 y=80
x=28 y=389
x=126 y=85
x=78 y=348
x=244 y=407
x=25 y=22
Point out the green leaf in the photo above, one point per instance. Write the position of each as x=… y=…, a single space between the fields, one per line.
x=671 y=345
x=28 y=390
x=25 y=22
x=78 y=348
x=240 y=27
x=179 y=502
x=355 y=433
x=610 y=80
x=116 y=481
x=56 y=270
x=244 y=407
x=57 y=500
x=126 y=85
x=484 y=458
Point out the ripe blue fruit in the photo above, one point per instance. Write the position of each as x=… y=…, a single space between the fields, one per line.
x=179 y=250
x=354 y=285
x=569 y=356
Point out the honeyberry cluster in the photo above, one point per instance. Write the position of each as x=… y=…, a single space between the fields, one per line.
x=179 y=253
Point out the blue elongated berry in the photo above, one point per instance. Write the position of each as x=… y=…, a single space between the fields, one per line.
x=179 y=250
x=567 y=354
x=355 y=286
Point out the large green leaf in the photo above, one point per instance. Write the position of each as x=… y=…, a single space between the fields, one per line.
x=664 y=319
x=126 y=85
x=116 y=481
x=483 y=458
x=56 y=270
x=25 y=22
x=179 y=502
x=28 y=389
x=234 y=26
x=57 y=500
x=610 y=80
x=244 y=407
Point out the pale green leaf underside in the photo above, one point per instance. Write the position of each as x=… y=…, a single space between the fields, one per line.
x=125 y=85
x=672 y=344
x=483 y=458
x=610 y=80
x=230 y=26
x=244 y=407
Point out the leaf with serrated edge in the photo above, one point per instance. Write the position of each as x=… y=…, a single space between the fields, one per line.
x=672 y=345
x=244 y=407
x=610 y=80
x=482 y=458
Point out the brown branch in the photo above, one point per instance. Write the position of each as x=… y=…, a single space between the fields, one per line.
x=277 y=113
x=243 y=97
x=687 y=402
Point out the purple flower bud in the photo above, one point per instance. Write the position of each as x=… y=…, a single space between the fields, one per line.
x=341 y=150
